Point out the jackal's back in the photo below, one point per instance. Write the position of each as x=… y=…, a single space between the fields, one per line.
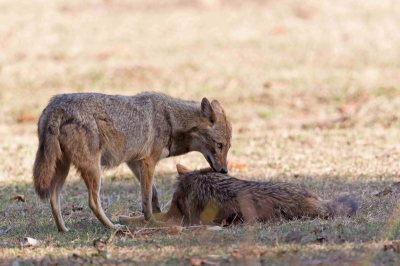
x=249 y=200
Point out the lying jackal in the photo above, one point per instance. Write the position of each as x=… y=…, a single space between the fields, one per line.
x=90 y=130
x=206 y=197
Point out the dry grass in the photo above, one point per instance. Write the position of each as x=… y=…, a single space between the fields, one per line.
x=311 y=87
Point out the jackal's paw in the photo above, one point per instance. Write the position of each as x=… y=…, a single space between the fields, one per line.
x=138 y=220
x=118 y=227
x=63 y=230
x=155 y=223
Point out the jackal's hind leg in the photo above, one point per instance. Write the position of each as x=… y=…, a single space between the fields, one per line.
x=92 y=178
x=62 y=169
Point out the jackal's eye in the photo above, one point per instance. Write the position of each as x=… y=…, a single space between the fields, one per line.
x=219 y=145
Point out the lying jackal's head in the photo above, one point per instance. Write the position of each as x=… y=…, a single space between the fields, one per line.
x=212 y=136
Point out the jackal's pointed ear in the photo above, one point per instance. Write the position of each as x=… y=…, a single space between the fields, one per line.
x=207 y=111
x=181 y=169
x=217 y=106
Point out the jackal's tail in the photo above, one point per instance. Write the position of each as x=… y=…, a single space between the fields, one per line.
x=342 y=207
x=49 y=151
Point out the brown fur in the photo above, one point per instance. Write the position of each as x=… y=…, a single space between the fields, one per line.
x=91 y=130
x=206 y=197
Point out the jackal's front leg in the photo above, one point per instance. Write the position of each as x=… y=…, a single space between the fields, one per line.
x=137 y=169
x=146 y=183
x=144 y=170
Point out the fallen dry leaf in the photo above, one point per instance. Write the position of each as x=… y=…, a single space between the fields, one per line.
x=382 y=193
x=23 y=118
x=236 y=166
x=349 y=108
x=394 y=246
x=214 y=228
x=99 y=244
x=101 y=248
x=198 y=261
x=30 y=242
x=19 y=197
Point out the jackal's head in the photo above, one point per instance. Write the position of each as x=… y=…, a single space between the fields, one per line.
x=212 y=136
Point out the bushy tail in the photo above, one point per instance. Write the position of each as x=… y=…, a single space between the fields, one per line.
x=342 y=207
x=48 y=153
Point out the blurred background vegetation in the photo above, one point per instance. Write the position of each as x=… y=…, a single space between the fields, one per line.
x=271 y=63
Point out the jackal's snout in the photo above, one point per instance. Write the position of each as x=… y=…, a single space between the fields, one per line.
x=212 y=136
x=223 y=169
x=215 y=164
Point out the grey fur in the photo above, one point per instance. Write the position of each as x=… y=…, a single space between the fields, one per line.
x=91 y=130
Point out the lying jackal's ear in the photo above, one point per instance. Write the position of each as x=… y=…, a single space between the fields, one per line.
x=217 y=106
x=207 y=111
x=181 y=169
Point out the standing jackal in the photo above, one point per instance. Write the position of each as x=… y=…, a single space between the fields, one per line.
x=90 y=130
x=206 y=197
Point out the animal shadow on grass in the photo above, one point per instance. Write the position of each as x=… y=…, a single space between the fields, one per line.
x=34 y=219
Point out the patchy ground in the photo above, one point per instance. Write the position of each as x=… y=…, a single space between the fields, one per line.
x=312 y=90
